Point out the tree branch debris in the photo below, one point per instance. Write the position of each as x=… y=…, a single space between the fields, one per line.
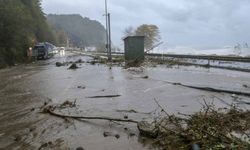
x=105 y=96
x=209 y=128
x=210 y=89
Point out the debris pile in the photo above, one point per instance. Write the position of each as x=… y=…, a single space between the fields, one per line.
x=60 y=64
x=207 y=129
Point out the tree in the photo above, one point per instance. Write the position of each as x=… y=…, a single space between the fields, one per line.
x=21 y=23
x=151 y=33
x=129 y=31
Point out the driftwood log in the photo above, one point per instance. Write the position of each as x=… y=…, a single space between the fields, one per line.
x=104 y=96
x=53 y=113
x=210 y=89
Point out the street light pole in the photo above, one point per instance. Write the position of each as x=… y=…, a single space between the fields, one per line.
x=109 y=29
x=107 y=36
x=108 y=32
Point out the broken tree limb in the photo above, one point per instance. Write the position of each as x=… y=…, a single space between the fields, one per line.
x=242 y=102
x=162 y=109
x=210 y=89
x=53 y=113
x=223 y=101
x=105 y=96
x=133 y=111
x=218 y=90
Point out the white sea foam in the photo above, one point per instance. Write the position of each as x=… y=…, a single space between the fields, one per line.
x=192 y=51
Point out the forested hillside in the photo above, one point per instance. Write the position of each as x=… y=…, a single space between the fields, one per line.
x=81 y=31
x=22 y=24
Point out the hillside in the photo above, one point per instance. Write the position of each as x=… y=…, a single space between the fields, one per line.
x=22 y=24
x=81 y=31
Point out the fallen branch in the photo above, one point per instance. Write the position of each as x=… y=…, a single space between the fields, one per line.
x=242 y=102
x=51 y=112
x=218 y=90
x=208 y=128
x=210 y=89
x=132 y=111
x=223 y=101
x=162 y=109
x=105 y=96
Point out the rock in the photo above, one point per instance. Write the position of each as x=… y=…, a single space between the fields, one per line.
x=59 y=64
x=45 y=103
x=148 y=129
x=117 y=136
x=106 y=134
x=79 y=61
x=80 y=148
x=81 y=87
x=246 y=86
x=73 y=66
x=126 y=117
x=93 y=62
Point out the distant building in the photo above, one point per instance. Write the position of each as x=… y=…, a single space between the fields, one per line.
x=90 y=49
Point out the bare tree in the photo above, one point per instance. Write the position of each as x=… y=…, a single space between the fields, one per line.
x=129 y=31
x=151 y=33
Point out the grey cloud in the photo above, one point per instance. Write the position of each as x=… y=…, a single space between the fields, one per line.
x=197 y=23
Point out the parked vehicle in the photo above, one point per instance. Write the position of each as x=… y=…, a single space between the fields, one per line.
x=44 y=50
x=62 y=48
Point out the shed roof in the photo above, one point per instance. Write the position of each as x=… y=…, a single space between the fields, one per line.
x=133 y=37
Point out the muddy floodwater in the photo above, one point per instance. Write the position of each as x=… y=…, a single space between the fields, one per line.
x=25 y=88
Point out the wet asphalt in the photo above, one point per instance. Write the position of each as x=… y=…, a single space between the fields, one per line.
x=25 y=88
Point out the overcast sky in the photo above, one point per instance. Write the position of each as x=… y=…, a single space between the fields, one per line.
x=192 y=23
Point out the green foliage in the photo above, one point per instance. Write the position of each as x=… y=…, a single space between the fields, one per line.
x=82 y=32
x=22 y=23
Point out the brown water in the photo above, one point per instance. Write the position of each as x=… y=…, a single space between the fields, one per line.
x=29 y=86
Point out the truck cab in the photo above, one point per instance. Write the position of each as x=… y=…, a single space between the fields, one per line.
x=43 y=50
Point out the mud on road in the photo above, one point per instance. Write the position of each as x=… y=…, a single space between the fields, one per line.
x=25 y=89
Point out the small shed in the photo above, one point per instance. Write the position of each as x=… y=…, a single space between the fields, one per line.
x=134 y=48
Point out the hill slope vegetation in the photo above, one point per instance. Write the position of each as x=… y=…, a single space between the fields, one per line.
x=82 y=32
x=22 y=24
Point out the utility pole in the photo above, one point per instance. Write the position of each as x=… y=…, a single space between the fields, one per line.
x=67 y=44
x=108 y=32
x=110 y=48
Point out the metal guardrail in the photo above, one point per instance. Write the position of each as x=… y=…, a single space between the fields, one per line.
x=206 y=57
x=201 y=57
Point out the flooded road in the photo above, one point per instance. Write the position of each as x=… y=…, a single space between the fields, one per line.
x=25 y=88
